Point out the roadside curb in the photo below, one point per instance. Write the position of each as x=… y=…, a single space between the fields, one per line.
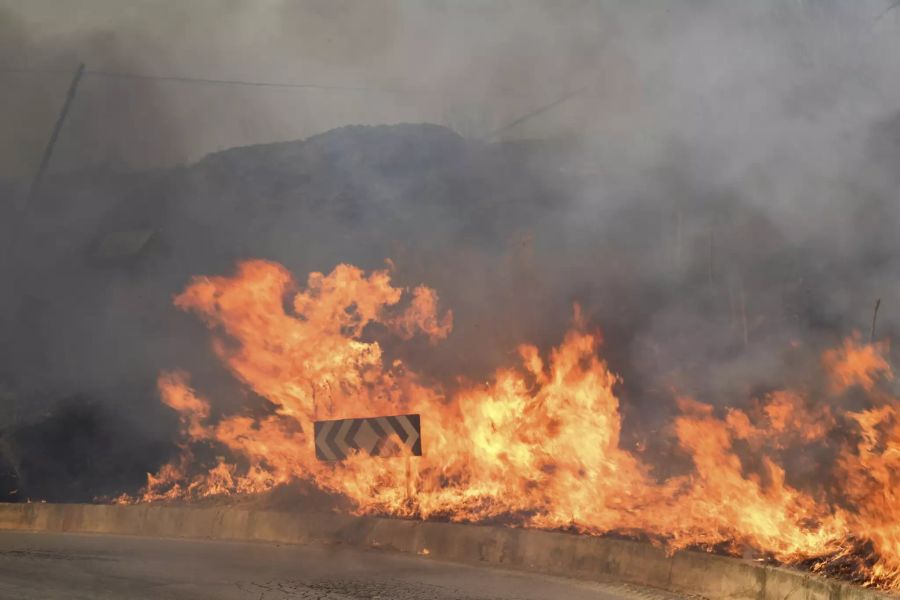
x=553 y=553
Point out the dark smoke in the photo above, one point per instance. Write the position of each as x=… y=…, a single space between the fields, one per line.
x=721 y=201
x=114 y=124
x=80 y=452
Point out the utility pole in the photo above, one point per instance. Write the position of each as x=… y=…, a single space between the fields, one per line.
x=874 y=319
x=60 y=121
x=16 y=239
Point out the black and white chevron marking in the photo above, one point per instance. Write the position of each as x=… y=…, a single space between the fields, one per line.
x=374 y=436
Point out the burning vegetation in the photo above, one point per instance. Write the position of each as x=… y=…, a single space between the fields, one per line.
x=713 y=185
x=538 y=445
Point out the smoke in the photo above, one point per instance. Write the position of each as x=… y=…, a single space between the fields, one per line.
x=717 y=189
x=80 y=452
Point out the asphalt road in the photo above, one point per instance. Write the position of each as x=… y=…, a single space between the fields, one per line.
x=43 y=566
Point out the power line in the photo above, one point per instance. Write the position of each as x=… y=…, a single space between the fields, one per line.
x=888 y=9
x=35 y=71
x=232 y=82
x=210 y=81
x=242 y=82
x=314 y=86
x=534 y=113
x=270 y=84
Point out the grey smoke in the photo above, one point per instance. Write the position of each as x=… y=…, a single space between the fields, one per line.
x=721 y=198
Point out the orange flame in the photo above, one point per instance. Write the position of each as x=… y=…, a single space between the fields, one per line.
x=857 y=364
x=537 y=445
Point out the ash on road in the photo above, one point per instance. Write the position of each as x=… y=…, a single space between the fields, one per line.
x=81 y=567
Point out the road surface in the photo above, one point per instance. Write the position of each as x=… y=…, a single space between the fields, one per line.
x=47 y=566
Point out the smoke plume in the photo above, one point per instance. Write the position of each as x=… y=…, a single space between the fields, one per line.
x=715 y=184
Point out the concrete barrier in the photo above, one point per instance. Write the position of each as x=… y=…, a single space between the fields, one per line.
x=547 y=552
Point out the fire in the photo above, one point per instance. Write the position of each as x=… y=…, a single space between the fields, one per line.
x=857 y=364
x=539 y=444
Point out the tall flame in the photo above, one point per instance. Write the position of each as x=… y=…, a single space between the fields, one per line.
x=539 y=444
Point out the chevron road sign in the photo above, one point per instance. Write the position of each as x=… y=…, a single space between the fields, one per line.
x=335 y=439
